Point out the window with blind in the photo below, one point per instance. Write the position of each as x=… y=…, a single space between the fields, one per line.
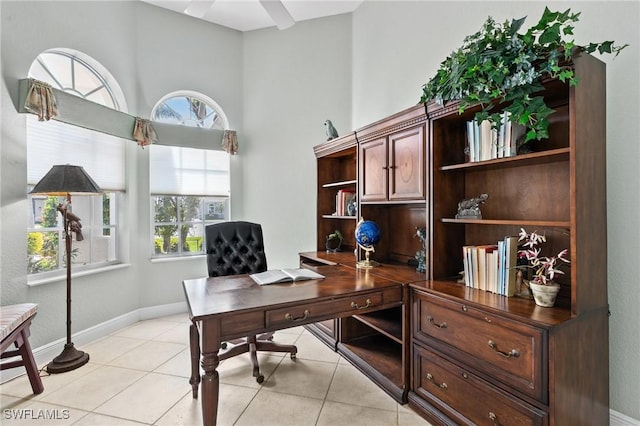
x=189 y=186
x=102 y=156
x=189 y=190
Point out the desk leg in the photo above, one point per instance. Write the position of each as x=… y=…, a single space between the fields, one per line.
x=210 y=380
x=194 y=343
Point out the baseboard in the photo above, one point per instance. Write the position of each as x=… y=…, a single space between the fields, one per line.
x=46 y=353
x=619 y=419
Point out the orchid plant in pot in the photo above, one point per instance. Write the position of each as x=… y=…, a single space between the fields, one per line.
x=545 y=269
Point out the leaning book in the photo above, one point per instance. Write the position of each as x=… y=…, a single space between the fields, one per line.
x=274 y=276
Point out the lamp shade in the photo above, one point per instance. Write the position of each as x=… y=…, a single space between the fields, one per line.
x=66 y=179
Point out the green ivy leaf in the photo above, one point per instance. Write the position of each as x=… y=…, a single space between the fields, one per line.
x=516 y=24
x=605 y=47
x=531 y=135
x=497 y=64
x=550 y=34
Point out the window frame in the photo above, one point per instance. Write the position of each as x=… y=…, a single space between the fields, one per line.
x=181 y=192
x=93 y=222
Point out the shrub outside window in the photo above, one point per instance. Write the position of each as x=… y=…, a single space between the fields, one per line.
x=180 y=222
x=45 y=248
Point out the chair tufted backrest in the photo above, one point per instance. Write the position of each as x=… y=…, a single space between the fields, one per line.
x=234 y=248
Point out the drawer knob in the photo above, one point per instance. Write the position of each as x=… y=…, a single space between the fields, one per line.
x=354 y=305
x=433 y=323
x=442 y=385
x=513 y=353
x=494 y=418
x=292 y=318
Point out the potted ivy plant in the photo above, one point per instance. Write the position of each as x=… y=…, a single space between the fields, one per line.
x=500 y=64
x=545 y=269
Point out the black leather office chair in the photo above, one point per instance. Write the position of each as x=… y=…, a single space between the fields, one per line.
x=237 y=248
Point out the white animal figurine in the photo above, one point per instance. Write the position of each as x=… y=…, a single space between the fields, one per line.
x=331 y=131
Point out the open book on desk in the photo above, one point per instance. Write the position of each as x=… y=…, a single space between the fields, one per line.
x=273 y=276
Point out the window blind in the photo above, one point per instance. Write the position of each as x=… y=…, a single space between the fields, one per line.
x=53 y=142
x=177 y=170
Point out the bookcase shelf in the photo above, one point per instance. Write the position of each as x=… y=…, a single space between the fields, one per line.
x=523 y=223
x=559 y=190
x=340 y=184
x=337 y=169
x=333 y=216
x=387 y=322
x=561 y=154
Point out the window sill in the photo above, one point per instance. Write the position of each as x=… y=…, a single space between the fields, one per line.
x=63 y=277
x=197 y=257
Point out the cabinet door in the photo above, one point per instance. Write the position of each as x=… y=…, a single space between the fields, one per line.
x=373 y=170
x=406 y=165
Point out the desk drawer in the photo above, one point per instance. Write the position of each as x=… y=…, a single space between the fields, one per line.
x=467 y=398
x=512 y=352
x=312 y=312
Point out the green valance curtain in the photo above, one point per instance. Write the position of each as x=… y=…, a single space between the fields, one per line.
x=47 y=103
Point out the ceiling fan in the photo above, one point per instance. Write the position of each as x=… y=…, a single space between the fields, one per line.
x=274 y=8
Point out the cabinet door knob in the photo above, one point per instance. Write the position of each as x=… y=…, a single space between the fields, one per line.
x=494 y=418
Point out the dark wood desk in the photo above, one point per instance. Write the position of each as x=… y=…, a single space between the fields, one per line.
x=226 y=308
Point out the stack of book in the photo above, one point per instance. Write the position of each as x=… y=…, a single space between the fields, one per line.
x=492 y=267
x=487 y=143
x=343 y=197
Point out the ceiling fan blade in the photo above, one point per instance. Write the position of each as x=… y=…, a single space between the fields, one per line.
x=278 y=13
x=198 y=8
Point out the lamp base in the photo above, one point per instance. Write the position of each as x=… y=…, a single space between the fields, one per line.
x=68 y=360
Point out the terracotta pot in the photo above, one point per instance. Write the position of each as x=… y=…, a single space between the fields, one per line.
x=544 y=295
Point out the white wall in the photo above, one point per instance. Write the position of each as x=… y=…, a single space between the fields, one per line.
x=398 y=46
x=277 y=88
x=150 y=52
x=293 y=81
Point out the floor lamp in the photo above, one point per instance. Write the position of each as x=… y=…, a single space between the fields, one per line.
x=63 y=180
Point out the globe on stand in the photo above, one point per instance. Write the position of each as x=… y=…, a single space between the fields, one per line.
x=367 y=236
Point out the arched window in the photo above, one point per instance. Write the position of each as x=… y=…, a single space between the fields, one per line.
x=102 y=156
x=190 y=109
x=190 y=187
x=77 y=74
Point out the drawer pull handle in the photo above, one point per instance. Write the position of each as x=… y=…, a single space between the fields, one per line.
x=291 y=318
x=433 y=323
x=494 y=418
x=354 y=305
x=442 y=386
x=513 y=353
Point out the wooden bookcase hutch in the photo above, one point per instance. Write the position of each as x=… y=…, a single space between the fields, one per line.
x=459 y=355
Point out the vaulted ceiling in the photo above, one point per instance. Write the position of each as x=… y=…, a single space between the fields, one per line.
x=247 y=15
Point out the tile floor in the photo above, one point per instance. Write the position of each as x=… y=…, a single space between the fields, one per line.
x=139 y=375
